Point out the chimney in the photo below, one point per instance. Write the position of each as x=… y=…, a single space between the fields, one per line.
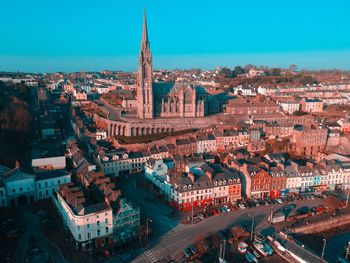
x=191 y=175
x=281 y=165
x=310 y=165
x=91 y=168
x=210 y=175
x=295 y=165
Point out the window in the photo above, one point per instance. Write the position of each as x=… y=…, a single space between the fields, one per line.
x=88 y=226
x=98 y=223
x=79 y=237
x=106 y=230
x=89 y=235
x=46 y=184
x=98 y=232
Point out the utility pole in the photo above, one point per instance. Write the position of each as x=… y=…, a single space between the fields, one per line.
x=347 y=251
x=147 y=232
x=251 y=231
x=271 y=214
x=91 y=245
x=324 y=247
x=147 y=242
x=192 y=214
x=224 y=251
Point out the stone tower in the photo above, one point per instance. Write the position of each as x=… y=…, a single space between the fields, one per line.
x=144 y=77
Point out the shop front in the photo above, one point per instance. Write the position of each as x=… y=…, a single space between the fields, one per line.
x=320 y=188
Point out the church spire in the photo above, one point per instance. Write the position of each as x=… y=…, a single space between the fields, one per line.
x=144 y=77
x=144 y=30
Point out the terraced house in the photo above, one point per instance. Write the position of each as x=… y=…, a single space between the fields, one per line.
x=208 y=184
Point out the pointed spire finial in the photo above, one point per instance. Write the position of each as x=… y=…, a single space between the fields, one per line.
x=144 y=28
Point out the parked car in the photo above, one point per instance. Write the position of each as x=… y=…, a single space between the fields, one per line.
x=248 y=205
x=193 y=250
x=213 y=212
x=278 y=200
x=256 y=202
x=201 y=216
x=241 y=206
x=187 y=252
x=206 y=245
x=225 y=209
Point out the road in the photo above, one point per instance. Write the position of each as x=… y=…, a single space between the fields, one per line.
x=172 y=236
x=33 y=231
x=184 y=235
x=114 y=113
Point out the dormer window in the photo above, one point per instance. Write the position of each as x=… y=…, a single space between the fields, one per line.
x=230 y=181
x=185 y=187
x=215 y=183
x=190 y=186
x=220 y=183
x=224 y=182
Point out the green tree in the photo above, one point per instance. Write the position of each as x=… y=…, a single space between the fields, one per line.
x=238 y=70
x=226 y=72
x=275 y=72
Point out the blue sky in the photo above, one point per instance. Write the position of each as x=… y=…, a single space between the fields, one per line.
x=79 y=35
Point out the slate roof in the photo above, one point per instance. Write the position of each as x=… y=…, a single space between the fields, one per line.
x=51 y=174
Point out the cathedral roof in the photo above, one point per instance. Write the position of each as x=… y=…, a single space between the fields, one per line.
x=164 y=88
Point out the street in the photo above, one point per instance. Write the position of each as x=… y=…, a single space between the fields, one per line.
x=33 y=233
x=171 y=236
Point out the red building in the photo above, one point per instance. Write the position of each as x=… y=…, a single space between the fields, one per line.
x=260 y=183
x=278 y=181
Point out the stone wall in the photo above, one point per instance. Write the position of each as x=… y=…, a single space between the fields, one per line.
x=323 y=225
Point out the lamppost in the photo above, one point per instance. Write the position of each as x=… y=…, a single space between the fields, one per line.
x=324 y=247
x=192 y=213
x=251 y=231
x=150 y=220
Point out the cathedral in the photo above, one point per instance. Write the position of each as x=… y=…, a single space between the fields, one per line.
x=168 y=99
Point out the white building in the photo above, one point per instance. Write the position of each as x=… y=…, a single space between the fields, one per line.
x=293 y=181
x=89 y=224
x=47 y=182
x=290 y=106
x=101 y=135
x=206 y=143
x=18 y=187
x=116 y=163
x=50 y=163
x=157 y=172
